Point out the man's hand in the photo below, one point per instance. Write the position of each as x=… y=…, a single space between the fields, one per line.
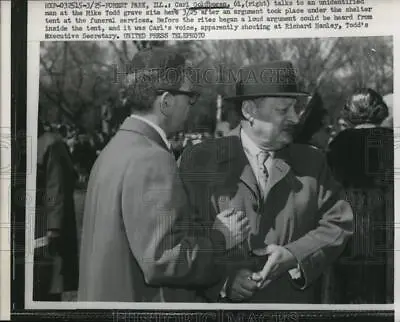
x=280 y=261
x=234 y=225
x=241 y=287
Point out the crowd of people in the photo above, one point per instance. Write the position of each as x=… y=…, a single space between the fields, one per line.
x=313 y=129
x=326 y=238
x=83 y=146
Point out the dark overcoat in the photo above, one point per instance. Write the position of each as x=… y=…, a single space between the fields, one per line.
x=304 y=210
x=363 y=161
x=55 y=210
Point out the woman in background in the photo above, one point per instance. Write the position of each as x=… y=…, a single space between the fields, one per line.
x=362 y=154
x=361 y=159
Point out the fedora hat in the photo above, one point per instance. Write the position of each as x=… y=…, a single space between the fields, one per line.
x=274 y=79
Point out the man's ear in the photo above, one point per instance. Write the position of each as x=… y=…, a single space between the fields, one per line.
x=166 y=102
x=249 y=109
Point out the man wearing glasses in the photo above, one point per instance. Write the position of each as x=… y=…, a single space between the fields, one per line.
x=140 y=240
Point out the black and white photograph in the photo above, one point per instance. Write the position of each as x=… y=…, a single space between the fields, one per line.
x=233 y=172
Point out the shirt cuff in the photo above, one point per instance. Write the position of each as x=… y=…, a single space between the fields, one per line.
x=295 y=273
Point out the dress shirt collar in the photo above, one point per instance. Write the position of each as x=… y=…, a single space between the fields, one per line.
x=159 y=130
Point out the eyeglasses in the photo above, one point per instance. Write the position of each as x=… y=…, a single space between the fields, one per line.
x=193 y=96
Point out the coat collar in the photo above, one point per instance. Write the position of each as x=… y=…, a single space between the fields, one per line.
x=280 y=166
x=138 y=126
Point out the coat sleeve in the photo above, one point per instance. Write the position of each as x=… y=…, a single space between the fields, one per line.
x=54 y=197
x=321 y=246
x=196 y=184
x=170 y=247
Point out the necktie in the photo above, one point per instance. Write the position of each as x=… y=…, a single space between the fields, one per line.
x=262 y=170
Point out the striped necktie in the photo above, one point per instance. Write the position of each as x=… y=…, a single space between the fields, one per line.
x=262 y=157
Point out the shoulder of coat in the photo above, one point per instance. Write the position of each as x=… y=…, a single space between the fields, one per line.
x=211 y=151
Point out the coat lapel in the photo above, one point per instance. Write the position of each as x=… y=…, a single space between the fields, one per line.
x=249 y=179
x=135 y=125
x=279 y=170
x=239 y=161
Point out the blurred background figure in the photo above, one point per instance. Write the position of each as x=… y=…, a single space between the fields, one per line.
x=63 y=131
x=47 y=126
x=84 y=155
x=71 y=141
x=342 y=124
x=56 y=253
x=106 y=116
x=177 y=142
x=355 y=157
x=362 y=160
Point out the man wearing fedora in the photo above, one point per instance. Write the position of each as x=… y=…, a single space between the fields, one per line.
x=140 y=241
x=299 y=219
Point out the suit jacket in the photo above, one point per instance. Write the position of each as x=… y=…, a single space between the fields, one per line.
x=140 y=241
x=303 y=209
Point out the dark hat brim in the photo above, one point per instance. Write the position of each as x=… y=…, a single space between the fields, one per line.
x=253 y=96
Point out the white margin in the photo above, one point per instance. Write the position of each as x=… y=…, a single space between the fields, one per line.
x=396 y=126
x=32 y=99
x=5 y=158
x=33 y=73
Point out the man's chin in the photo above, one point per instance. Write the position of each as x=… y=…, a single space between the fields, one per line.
x=282 y=145
x=289 y=131
x=287 y=137
x=277 y=146
x=288 y=140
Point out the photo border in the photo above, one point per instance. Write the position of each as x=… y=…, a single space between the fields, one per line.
x=18 y=214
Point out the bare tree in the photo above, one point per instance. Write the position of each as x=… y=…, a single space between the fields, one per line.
x=78 y=77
